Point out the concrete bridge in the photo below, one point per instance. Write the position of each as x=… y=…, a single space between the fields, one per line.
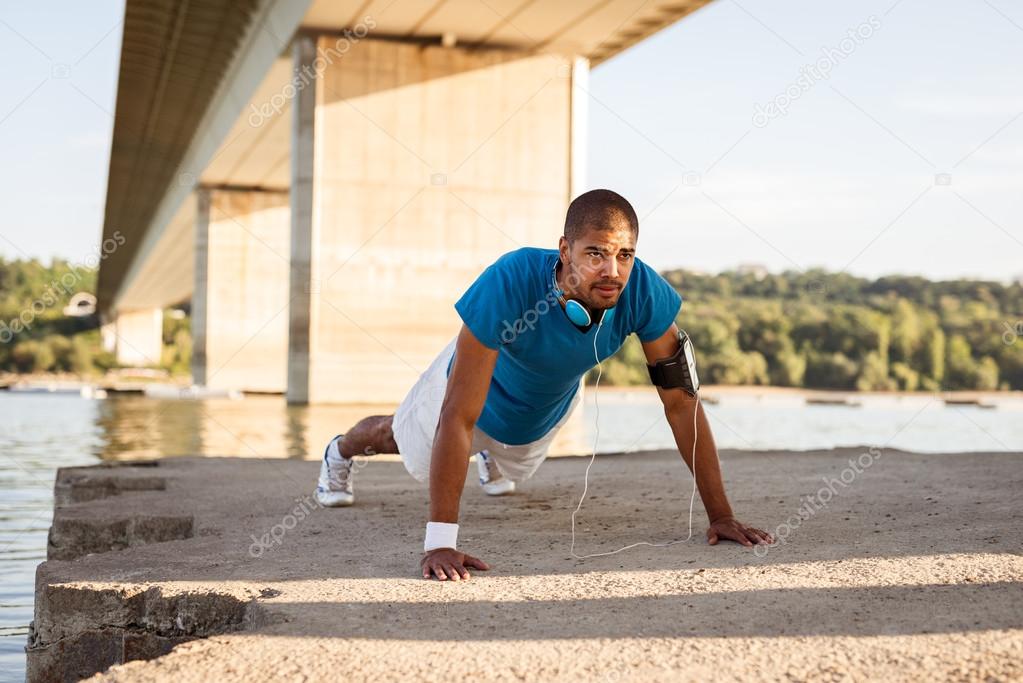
x=322 y=179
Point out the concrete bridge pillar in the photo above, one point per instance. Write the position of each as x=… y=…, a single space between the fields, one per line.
x=138 y=337
x=240 y=296
x=413 y=167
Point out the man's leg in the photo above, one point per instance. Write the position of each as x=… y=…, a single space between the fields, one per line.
x=369 y=436
x=413 y=426
x=518 y=463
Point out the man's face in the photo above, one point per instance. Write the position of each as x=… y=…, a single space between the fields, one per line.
x=598 y=265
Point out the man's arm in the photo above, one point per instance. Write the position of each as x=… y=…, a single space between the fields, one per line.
x=681 y=410
x=464 y=397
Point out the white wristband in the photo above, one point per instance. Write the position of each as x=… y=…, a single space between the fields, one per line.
x=440 y=535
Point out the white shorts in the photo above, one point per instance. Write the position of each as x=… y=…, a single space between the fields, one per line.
x=415 y=424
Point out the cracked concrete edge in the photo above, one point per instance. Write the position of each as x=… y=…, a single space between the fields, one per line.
x=70 y=537
x=94 y=482
x=83 y=629
x=83 y=523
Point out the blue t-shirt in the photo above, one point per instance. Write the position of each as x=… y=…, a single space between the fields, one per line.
x=542 y=355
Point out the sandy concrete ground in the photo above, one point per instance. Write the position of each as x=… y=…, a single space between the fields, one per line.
x=912 y=571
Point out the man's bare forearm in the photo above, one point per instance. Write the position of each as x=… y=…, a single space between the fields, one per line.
x=708 y=468
x=449 y=463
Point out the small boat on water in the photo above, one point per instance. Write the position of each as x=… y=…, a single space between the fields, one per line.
x=188 y=393
x=970 y=402
x=66 y=388
x=825 y=400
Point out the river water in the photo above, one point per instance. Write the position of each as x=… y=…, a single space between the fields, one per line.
x=41 y=432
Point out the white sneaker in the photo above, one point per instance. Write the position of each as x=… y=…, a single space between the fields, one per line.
x=491 y=479
x=334 y=488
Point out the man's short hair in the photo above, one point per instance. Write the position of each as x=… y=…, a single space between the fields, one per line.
x=601 y=209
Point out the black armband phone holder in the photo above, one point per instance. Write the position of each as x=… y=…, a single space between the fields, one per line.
x=678 y=371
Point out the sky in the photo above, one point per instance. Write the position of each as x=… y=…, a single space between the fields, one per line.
x=748 y=133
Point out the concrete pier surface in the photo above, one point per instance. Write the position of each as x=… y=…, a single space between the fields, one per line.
x=894 y=566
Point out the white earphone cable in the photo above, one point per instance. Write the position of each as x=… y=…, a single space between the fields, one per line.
x=586 y=476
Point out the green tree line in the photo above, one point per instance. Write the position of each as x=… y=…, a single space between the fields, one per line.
x=811 y=329
x=37 y=337
x=816 y=329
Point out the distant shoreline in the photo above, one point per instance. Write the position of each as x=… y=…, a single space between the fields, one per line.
x=126 y=379
x=800 y=392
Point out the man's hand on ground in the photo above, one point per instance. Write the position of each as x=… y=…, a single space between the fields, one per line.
x=446 y=564
x=733 y=529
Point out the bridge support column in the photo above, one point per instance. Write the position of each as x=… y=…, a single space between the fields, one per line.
x=138 y=337
x=240 y=296
x=413 y=168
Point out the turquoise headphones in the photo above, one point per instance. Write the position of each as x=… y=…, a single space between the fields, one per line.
x=576 y=312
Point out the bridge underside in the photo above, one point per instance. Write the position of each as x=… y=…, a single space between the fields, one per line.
x=324 y=201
